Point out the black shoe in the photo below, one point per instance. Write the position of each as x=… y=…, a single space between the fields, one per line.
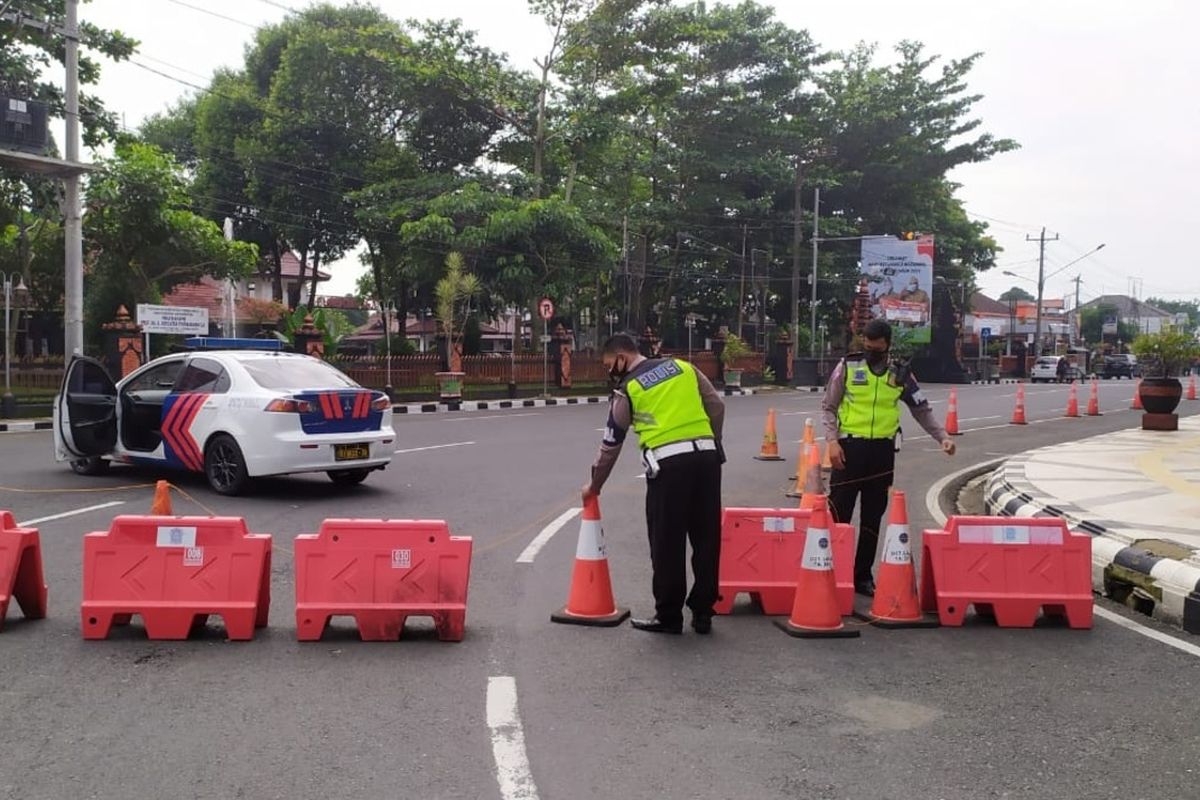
x=654 y=625
x=865 y=587
x=702 y=625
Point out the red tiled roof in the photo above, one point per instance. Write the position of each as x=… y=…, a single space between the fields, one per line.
x=207 y=294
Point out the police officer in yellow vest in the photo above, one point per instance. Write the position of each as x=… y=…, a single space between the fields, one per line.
x=861 y=413
x=678 y=417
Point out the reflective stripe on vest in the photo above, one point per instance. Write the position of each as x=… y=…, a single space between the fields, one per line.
x=666 y=405
x=871 y=404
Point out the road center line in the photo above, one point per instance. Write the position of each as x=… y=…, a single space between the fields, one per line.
x=74 y=513
x=492 y=416
x=530 y=552
x=508 y=740
x=433 y=447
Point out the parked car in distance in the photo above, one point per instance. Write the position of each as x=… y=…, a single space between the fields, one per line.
x=1123 y=365
x=232 y=415
x=1046 y=369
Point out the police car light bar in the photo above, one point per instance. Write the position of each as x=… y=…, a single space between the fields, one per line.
x=220 y=343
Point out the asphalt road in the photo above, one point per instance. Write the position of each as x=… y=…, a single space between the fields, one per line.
x=977 y=712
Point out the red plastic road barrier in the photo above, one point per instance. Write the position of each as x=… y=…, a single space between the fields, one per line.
x=761 y=549
x=174 y=572
x=1008 y=568
x=381 y=572
x=21 y=570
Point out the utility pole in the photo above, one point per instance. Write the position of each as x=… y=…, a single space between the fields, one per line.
x=1041 y=284
x=742 y=287
x=797 y=236
x=625 y=250
x=73 y=227
x=812 y=331
x=1078 y=327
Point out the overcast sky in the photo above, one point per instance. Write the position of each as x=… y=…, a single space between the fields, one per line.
x=1102 y=96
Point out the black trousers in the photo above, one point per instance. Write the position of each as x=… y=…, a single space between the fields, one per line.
x=870 y=464
x=683 y=503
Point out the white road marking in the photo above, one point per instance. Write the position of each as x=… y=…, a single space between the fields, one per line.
x=935 y=511
x=492 y=416
x=1158 y=636
x=508 y=740
x=530 y=553
x=433 y=447
x=981 y=419
x=74 y=513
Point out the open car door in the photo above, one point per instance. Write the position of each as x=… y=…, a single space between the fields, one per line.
x=85 y=411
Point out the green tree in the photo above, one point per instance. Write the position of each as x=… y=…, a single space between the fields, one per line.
x=143 y=239
x=1091 y=325
x=1018 y=294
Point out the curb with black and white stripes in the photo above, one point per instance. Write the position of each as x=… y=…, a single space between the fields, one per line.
x=25 y=427
x=998 y=382
x=1172 y=584
x=497 y=405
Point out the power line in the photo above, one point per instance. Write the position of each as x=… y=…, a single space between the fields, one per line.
x=212 y=13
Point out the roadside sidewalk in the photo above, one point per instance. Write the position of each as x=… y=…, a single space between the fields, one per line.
x=1138 y=493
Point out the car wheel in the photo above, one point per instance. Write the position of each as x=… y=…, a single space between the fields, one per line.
x=348 y=477
x=92 y=465
x=224 y=466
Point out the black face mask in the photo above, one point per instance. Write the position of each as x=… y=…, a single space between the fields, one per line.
x=617 y=372
x=877 y=358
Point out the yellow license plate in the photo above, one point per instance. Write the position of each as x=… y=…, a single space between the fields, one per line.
x=351 y=452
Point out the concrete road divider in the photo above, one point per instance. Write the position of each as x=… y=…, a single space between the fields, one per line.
x=380 y=572
x=761 y=549
x=174 y=572
x=21 y=576
x=1007 y=568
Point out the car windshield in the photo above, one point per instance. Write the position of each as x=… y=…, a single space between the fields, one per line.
x=296 y=373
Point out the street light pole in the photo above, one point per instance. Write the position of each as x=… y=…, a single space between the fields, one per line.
x=9 y=404
x=73 y=216
x=812 y=330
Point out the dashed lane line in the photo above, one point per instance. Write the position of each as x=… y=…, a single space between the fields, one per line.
x=531 y=551
x=433 y=447
x=508 y=740
x=74 y=513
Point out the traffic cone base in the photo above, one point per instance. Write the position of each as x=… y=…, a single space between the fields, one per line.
x=787 y=627
x=590 y=601
x=862 y=610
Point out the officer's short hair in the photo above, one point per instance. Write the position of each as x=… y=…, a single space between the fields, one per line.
x=620 y=343
x=878 y=329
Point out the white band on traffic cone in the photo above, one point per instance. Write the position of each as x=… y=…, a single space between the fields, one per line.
x=591 y=545
x=817 y=555
x=897 y=547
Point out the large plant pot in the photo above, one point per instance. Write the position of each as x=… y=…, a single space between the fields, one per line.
x=1161 y=395
x=733 y=378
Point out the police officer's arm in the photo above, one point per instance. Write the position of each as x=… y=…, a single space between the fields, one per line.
x=835 y=390
x=714 y=406
x=620 y=417
x=922 y=412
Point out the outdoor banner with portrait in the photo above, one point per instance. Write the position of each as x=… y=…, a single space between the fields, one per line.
x=899 y=276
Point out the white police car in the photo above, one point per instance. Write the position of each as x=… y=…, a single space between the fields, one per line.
x=231 y=414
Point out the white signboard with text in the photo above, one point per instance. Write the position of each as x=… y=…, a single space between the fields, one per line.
x=180 y=320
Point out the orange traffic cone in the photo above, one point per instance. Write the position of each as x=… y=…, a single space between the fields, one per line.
x=1094 y=399
x=1073 y=401
x=825 y=462
x=810 y=437
x=814 y=491
x=1191 y=394
x=591 y=599
x=770 y=442
x=1018 y=417
x=161 y=507
x=952 y=414
x=896 y=604
x=1137 y=396
x=815 y=610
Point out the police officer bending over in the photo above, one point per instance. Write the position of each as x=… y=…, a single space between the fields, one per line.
x=678 y=416
x=861 y=413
